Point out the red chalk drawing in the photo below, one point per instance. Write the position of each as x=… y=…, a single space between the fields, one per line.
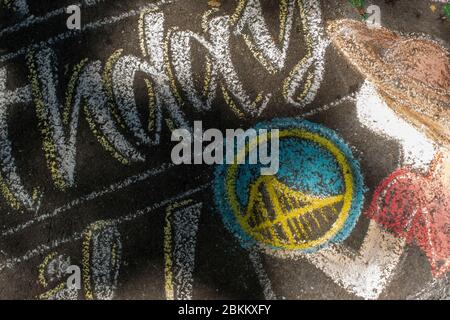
x=416 y=207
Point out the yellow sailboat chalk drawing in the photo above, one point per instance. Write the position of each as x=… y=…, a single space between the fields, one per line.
x=290 y=212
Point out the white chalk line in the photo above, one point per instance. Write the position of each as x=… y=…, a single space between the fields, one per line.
x=89 y=197
x=138 y=178
x=186 y=225
x=43 y=248
x=88 y=27
x=349 y=98
x=10 y=263
x=261 y=273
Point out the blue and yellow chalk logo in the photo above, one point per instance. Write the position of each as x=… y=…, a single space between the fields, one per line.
x=314 y=200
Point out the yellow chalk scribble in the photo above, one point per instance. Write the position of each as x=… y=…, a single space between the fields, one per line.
x=43 y=267
x=44 y=126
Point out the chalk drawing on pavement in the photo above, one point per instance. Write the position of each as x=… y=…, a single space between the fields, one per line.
x=101 y=251
x=180 y=240
x=102 y=254
x=314 y=200
x=169 y=78
x=20 y=7
x=303 y=82
x=171 y=84
x=366 y=271
x=53 y=268
x=263 y=278
x=373 y=265
x=411 y=73
x=416 y=207
x=46 y=247
x=416 y=193
x=412 y=76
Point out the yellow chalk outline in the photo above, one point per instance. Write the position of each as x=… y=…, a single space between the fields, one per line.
x=42 y=279
x=86 y=255
x=308 y=55
x=49 y=294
